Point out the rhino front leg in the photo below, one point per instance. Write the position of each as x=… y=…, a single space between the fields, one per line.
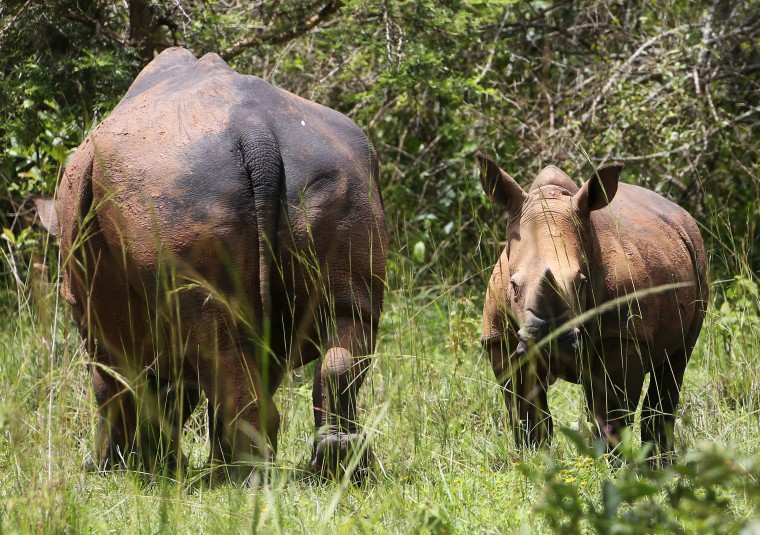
x=613 y=388
x=339 y=443
x=525 y=395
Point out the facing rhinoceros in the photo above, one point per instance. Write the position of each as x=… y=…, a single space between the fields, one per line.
x=216 y=231
x=570 y=250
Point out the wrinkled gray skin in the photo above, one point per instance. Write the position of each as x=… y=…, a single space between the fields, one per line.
x=216 y=232
x=568 y=250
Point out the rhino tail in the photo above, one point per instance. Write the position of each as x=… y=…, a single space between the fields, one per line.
x=263 y=163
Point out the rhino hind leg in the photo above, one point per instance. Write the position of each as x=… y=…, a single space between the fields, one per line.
x=167 y=406
x=144 y=435
x=658 y=411
x=339 y=445
x=243 y=418
x=115 y=445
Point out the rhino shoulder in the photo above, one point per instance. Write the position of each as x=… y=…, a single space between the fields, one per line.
x=644 y=241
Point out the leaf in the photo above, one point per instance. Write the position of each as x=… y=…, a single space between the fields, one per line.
x=419 y=252
x=9 y=236
x=610 y=499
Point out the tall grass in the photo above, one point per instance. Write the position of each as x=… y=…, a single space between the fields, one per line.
x=446 y=461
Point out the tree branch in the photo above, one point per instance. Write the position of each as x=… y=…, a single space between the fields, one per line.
x=99 y=28
x=618 y=71
x=14 y=18
x=661 y=154
x=273 y=38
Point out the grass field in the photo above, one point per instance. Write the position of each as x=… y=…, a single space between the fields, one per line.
x=445 y=463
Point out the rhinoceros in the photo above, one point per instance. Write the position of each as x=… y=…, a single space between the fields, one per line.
x=217 y=231
x=600 y=286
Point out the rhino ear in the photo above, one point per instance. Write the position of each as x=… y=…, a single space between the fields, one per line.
x=498 y=185
x=599 y=190
x=47 y=214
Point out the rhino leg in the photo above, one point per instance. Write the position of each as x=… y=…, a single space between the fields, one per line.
x=339 y=443
x=243 y=418
x=145 y=435
x=658 y=411
x=613 y=388
x=525 y=394
x=161 y=430
x=117 y=422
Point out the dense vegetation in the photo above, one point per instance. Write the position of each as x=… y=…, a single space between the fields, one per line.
x=671 y=88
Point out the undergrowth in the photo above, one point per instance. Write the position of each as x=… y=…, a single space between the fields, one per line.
x=445 y=461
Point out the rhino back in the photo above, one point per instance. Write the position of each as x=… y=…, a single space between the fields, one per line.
x=645 y=241
x=178 y=161
x=165 y=174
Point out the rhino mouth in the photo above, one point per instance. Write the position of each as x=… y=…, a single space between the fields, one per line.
x=567 y=342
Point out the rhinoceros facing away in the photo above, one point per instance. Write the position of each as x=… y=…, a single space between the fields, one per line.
x=217 y=231
x=569 y=250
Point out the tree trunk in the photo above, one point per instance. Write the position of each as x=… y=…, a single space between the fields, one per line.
x=147 y=32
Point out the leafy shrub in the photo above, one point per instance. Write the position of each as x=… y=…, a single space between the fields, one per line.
x=692 y=496
x=738 y=328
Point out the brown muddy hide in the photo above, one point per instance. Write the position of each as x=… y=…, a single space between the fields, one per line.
x=575 y=296
x=217 y=232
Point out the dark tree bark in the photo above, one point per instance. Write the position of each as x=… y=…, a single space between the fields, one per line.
x=148 y=30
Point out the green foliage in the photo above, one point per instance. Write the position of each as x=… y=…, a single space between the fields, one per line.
x=668 y=90
x=738 y=327
x=430 y=518
x=55 y=83
x=37 y=164
x=693 y=496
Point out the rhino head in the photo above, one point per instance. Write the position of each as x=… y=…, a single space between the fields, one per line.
x=549 y=252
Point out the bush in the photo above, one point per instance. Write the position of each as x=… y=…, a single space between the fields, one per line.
x=692 y=496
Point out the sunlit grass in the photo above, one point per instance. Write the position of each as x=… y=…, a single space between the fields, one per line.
x=444 y=458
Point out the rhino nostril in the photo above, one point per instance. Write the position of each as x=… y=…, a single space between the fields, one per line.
x=571 y=334
x=571 y=338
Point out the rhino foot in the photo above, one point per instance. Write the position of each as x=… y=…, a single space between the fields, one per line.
x=173 y=466
x=89 y=464
x=100 y=464
x=337 y=453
